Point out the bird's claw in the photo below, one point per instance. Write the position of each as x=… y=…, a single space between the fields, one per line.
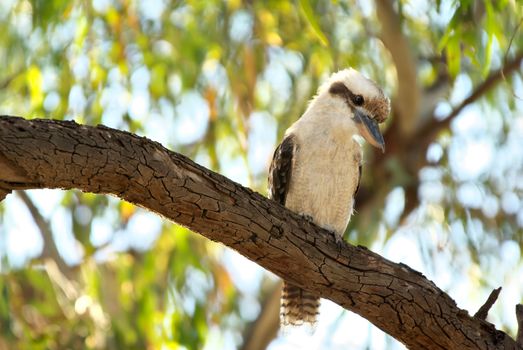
x=307 y=217
x=340 y=242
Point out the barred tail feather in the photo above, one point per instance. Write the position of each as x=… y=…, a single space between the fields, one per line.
x=298 y=306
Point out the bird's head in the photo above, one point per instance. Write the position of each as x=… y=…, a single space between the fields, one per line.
x=362 y=100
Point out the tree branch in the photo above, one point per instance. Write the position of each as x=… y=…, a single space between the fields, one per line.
x=50 y=250
x=410 y=152
x=397 y=299
x=431 y=130
x=482 y=313
x=407 y=102
x=265 y=328
x=3 y=193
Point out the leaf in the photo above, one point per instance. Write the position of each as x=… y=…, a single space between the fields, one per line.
x=453 y=49
x=307 y=11
x=35 y=82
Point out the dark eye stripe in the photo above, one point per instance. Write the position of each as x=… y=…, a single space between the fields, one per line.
x=338 y=88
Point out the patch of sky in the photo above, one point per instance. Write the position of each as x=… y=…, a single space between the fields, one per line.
x=442 y=15
x=77 y=100
x=510 y=203
x=6 y=7
x=159 y=126
x=245 y=274
x=134 y=55
x=434 y=152
x=49 y=79
x=36 y=40
x=62 y=34
x=151 y=9
x=281 y=63
x=461 y=89
x=142 y=230
x=192 y=118
x=114 y=100
x=470 y=122
x=419 y=10
x=175 y=84
x=470 y=194
x=241 y=23
x=394 y=205
x=249 y=307
x=198 y=283
x=21 y=20
x=101 y=231
x=62 y=228
x=22 y=239
x=140 y=99
x=490 y=206
x=83 y=214
x=442 y=110
x=263 y=92
x=51 y=101
x=367 y=7
x=262 y=139
x=80 y=67
x=431 y=192
x=102 y=6
x=181 y=16
x=163 y=48
x=215 y=75
x=470 y=159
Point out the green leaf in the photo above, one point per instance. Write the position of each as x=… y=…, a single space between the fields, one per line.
x=307 y=11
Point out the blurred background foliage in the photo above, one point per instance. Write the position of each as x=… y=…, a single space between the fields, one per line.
x=220 y=81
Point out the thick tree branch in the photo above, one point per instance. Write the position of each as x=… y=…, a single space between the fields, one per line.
x=397 y=299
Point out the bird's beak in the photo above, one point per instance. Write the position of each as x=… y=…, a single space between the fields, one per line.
x=369 y=129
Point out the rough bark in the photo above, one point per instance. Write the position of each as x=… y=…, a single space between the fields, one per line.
x=397 y=299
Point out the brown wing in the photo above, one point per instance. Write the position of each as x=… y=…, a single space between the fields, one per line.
x=280 y=171
x=298 y=306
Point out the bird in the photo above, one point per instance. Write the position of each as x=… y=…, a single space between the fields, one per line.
x=316 y=169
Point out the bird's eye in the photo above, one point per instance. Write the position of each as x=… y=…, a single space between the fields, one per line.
x=358 y=100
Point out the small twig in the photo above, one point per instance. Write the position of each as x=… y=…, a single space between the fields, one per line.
x=432 y=129
x=50 y=249
x=519 y=318
x=483 y=310
x=512 y=39
x=506 y=54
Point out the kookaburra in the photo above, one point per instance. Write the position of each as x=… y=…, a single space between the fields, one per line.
x=316 y=169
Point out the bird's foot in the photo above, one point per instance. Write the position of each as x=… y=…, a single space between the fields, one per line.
x=340 y=242
x=307 y=217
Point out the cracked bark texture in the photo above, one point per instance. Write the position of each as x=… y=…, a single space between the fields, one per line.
x=397 y=299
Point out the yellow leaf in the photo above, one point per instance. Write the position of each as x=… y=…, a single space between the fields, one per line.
x=34 y=82
x=126 y=210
